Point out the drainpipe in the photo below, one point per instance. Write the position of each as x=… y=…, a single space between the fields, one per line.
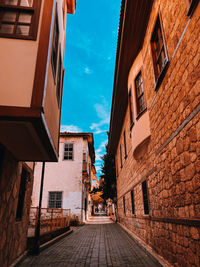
x=36 y=248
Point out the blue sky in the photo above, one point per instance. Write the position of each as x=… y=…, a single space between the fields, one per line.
x=91 y=41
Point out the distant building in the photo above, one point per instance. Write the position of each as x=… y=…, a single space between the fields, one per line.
x=32 y=36
x=67 y=182
x=155 y=126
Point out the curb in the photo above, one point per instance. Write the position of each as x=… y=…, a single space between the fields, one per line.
x=145 y=247
x=22 y=257
x=54 y=240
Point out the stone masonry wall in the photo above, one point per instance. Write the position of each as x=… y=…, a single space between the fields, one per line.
x=13 y=233
x=171 y=161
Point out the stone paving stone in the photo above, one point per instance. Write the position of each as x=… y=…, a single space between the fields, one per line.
x=94 y=245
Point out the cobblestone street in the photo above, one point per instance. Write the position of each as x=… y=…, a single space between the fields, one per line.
x=98 y=243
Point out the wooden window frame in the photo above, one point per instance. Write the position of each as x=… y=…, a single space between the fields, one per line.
x=124 y=205
x=125 y=148
x=138 y=96
x=67 y=152
x=59 y=78
x=145 y=197
x=54 y=206
x=130 y=103
x=34 y=10
x=22 y=192
x=159 y=74
x=55 y=46
x=191 y=6
x=132 y=202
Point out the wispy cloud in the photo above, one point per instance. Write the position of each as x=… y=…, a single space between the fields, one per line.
x=102 y=113
x=87 y=70
x=98 y=168
x=100 y=131
x=102 y=146
x=70 y=128
x=114 y=33
x=100 y=151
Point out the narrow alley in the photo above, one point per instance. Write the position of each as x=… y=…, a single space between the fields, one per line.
x=99 y=243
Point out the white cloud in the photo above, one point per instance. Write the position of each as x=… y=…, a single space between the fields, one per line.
x=102 y=146
x=99 y=152
x=98 y=168
x=114 y=33
x=87 y=70
x=98 y=156
x=101 y=110
x=70 y=128
x=100 y=131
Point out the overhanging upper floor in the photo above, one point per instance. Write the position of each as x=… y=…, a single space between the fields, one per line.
x=132 y=28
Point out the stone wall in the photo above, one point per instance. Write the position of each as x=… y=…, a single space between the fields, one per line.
x=13 y=233
x=170 y=161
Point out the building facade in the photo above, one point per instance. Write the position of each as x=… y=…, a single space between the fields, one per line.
x=32 y=34
x=67 y=182
x=155 y=126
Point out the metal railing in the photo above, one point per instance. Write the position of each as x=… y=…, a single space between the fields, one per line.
x=51 y=219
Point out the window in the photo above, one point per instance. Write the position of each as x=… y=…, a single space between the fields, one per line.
x=159 y=52
x=68 y=151
x=132 y=202
x=55 y=200
x=55 y=43
x=124 y=205
x=116 y=166
x=139 y=92
x=22 y=190
x=59 y=79
x=84 y=161
x=130 y=103
x=191 y=5
x=125 y=149
x=145 y=197
x=19 y=18
x=121 y=156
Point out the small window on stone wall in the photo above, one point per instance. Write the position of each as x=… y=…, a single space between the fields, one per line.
x=145 y=197
x=130 y=103
x=125 y=149
x=121 y=161
x=22 y=190
x=116 y=166
x=191 y=6
x=132 y=202
x=124 y=205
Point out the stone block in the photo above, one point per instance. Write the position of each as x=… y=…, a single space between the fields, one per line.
x=194 y=233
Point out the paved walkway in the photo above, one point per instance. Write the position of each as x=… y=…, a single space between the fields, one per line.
x=100 y=243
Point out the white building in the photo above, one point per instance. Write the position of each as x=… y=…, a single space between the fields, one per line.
x=67 y=182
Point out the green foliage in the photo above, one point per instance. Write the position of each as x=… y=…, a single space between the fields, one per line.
x=108 y=176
